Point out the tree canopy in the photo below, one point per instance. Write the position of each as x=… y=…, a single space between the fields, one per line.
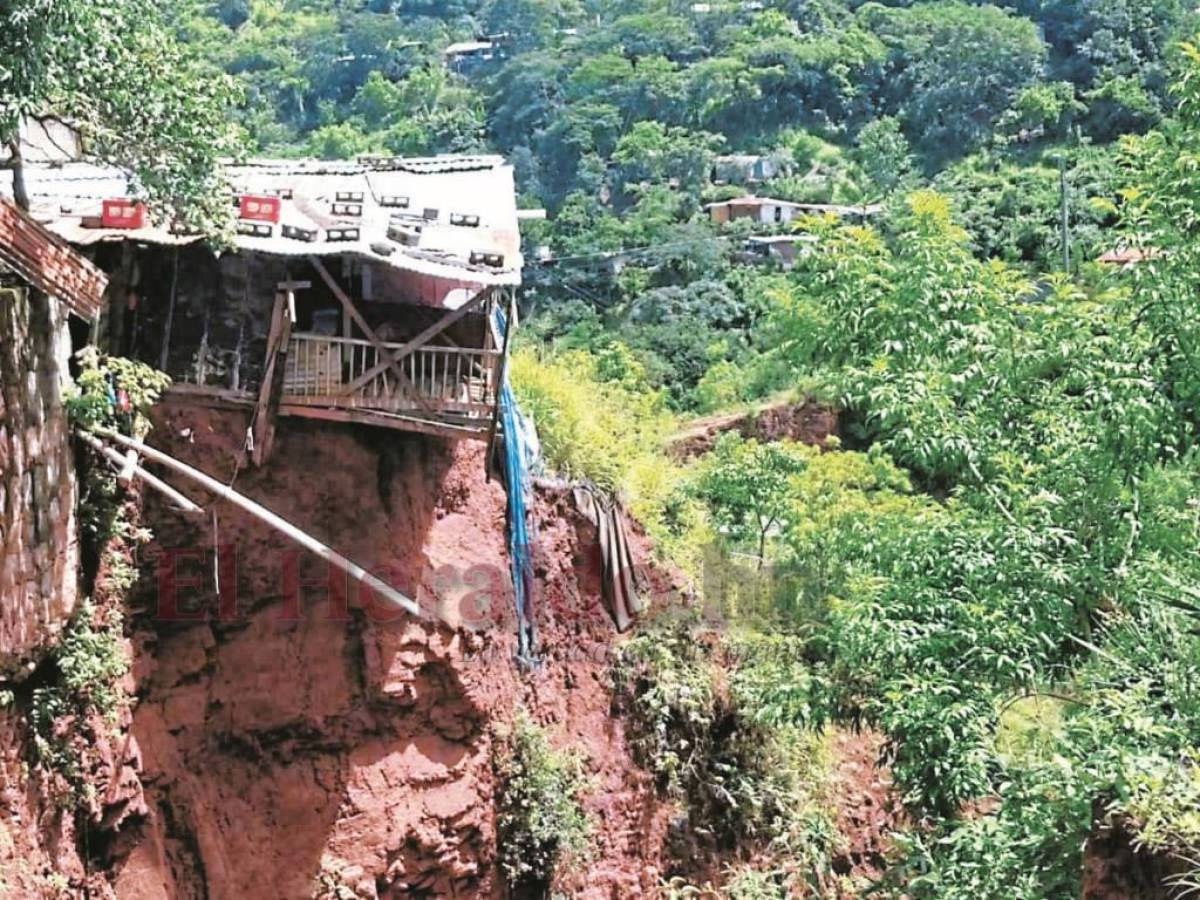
x=114 y=71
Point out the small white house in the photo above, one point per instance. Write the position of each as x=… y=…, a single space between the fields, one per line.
x=466 y=56
x=768 y=211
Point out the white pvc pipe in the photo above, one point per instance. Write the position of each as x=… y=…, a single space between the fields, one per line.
x=351 y=568
x=184 y=504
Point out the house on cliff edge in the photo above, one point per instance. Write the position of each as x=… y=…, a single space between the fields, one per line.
x=375 y=291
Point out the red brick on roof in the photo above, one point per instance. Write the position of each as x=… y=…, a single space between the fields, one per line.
x=49 y=263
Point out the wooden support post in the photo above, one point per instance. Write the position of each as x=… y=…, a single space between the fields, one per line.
x=290 y=287
x=272 y=382
x=284 y=527
x=170 y=323
x=118 y=293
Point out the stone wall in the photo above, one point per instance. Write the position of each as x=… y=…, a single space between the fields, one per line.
x=39 y=547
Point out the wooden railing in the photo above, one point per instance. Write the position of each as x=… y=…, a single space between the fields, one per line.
x=350 y=373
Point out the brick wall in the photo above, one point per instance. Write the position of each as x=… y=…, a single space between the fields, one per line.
x=39 y=548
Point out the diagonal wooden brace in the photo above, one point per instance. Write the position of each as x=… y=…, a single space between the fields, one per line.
x=394 y=357
x=271 y=388
x=384 y=350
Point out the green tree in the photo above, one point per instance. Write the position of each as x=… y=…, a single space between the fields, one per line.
x=884 y=155
x=1120 y=49
x=1159 y=213
x=344 y=140
x=532 y=23
x=1011 y=209
x=1048 y=109
x=429 y=111
x=653 y=152
x=953 y=68
x=746 y=486
x=114 y=71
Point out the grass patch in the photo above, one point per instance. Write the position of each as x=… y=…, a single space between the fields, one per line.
x=88 y=666
x=742 y=780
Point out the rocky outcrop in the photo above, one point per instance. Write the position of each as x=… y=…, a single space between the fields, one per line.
x=39 y=551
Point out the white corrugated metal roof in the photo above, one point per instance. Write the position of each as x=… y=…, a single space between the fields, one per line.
x=45 y=140
x=467 y=47
x=456 y=207
x=739 y=159
x=769 y=239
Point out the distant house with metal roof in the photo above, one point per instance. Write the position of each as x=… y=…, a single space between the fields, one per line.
x=769 y=211
x=745 y=169
x=466 y=56
x=783 y=249
x=1127 y=256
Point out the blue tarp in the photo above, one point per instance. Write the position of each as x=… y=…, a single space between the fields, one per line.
x=522 y=454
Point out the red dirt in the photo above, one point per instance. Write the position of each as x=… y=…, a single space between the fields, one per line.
x=867 y=806
x=352 y=749
x=807 y=422
x=36 y=840
x=1114 y=870
x=303 y=746
x=46 y=846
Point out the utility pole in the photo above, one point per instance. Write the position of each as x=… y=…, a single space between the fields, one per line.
x=1063 y=215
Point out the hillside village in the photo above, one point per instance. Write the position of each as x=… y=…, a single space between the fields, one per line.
x=547 y=448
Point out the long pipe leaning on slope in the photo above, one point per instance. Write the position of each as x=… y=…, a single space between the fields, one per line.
x=306 y=541
x=184 y=504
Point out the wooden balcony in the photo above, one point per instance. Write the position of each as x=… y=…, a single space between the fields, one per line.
x=450 y=387
x=443 y=380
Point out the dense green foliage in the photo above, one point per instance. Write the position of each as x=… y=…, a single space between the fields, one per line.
x=997 y=567
x=745 y=778
x=88 y=665
x=92 y=400
x=595 y=412
x=79 y=689
x=572 y=81
x=1022 y=530
x=745 y=485
x=542 y=828
x=613 y=114
x=138 y=97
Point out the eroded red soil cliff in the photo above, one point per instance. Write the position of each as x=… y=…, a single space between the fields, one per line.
x=305 y=743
